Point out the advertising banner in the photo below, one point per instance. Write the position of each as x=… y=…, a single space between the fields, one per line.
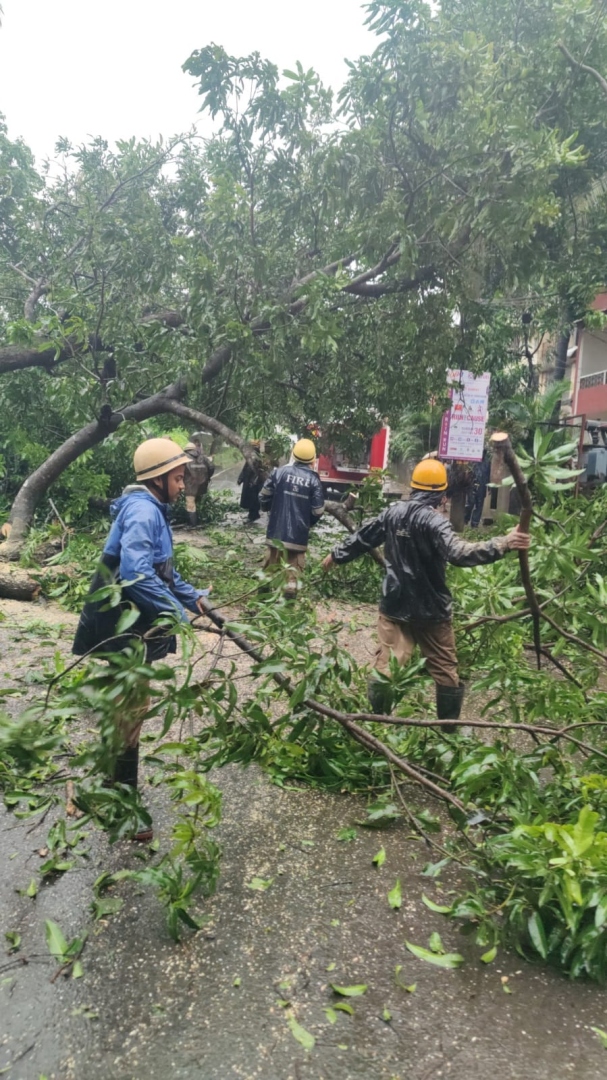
x=463 y=426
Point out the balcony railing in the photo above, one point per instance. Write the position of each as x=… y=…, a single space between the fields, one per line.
x=598 y=379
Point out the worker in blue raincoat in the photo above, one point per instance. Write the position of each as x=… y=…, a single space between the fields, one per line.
x=139 y=554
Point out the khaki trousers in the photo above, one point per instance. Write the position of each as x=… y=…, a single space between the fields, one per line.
x=435 y=640
x=292 y=561
x=131 y=723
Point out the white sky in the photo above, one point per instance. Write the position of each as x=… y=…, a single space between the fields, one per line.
x=113 y=67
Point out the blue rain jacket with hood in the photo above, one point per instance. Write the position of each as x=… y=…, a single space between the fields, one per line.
x=138 y=550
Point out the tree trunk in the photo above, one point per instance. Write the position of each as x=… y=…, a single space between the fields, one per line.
x=36 y=485
x=458 y=510
x=16 y=584
x=560 y=356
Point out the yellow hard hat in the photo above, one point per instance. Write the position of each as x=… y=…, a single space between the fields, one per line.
x=429 y=475
x=304 y=450
x=155 y=457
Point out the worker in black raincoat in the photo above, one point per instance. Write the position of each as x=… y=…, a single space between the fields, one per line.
x=416 y=605
x=252 y=481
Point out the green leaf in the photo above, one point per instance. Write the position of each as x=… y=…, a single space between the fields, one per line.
x=349 y=991
x=442 y=909
x=346 y=834
x=106 y=905
x=32 y=889
x=298 y=1032
x=127 y=619
x=331 y=966
x=380 y=815
x=343 y=1006
x=602 y=1035
x=489 y=956
x=386 y=1016
x=538 y=934
x=57 y=945
x=259 y=884
x=430 y=821
x=14 y=939
x=436 y=944
x=331 y=1015
x=380 y=858
x=446 y=960
x=395 y=897
x=434 y=869
x=77 y=970
x=237 y=981
x=411 y=988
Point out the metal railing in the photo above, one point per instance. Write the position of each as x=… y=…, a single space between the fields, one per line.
x=598 y=379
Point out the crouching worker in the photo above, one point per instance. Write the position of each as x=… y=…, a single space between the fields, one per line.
x=416 y=605
x=139 y=550
x=294 y=498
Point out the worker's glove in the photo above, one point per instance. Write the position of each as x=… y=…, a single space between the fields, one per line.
x=518 y=541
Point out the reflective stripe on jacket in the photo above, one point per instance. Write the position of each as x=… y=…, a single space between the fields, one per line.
x=418 y=544
x=293 y=495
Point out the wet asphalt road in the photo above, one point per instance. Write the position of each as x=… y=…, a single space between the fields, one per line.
x=147 y=1008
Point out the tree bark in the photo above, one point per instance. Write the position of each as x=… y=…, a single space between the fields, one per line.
x=32 y=490
x=560 y=356
x=14 y=358
x=16 y=584
x=340 y=512
x=208 y=423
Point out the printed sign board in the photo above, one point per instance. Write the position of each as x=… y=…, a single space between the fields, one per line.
x=463 y=426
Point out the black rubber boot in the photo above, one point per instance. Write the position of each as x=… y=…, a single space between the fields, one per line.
x=127 y=766
x=449 y=704
x=380 y=697
x=125 y=772
x=191 y=519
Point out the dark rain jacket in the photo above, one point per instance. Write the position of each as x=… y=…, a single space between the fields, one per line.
x=418 y=544
x=294 y=497
x=138 y=550
x=252 y=483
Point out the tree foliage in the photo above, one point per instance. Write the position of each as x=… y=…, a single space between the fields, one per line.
x=321 y=258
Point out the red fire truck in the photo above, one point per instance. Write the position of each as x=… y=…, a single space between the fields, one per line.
x=338 y=473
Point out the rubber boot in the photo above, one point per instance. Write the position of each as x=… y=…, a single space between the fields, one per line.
x=191 y=519
x=449 y=704
x=125 y=772
x=380 y=697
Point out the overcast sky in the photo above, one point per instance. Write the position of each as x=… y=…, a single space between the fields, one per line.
x=113 y=67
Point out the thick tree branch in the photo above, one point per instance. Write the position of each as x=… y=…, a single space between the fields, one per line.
x=40 y=288
x=32 y=490
x=208 y=423
x=360 y=735
x=13 y=358
x=596 y=75
x=501 y=444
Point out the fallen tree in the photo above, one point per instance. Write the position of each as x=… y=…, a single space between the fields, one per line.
x=16 y=584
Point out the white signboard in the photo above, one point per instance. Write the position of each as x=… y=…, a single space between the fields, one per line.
x=463 y=426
